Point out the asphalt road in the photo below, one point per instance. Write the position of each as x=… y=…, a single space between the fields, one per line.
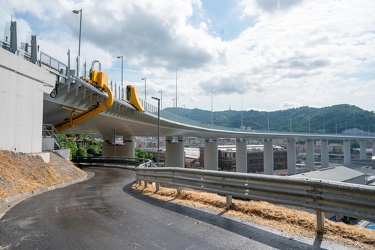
x=104 y=213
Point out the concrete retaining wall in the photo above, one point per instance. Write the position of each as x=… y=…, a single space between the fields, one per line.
x=22 y=85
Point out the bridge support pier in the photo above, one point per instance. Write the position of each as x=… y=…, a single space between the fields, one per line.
x=129 y=146
x=128 y=149
x=310 y=155
x=241 y=155
x=291 y=157
x=268 y=156
x=362 y=149
x=174 y=155
x=211 y=154
x=347 y=155
x=324 y=154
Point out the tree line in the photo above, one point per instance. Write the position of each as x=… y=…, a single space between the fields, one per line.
x=330 y=120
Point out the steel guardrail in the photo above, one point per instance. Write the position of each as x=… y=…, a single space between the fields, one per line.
x=139 y=162
x=353 y=200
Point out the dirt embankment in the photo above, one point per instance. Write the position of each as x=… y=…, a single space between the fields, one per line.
x=23 y=172
x=264 y=213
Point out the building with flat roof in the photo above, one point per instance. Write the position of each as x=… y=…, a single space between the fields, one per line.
x=340 y=173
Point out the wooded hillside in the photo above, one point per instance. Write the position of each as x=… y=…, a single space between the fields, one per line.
x=328 y=120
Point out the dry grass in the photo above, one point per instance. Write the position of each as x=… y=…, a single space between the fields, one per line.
x=23 y=172
x=264 y=213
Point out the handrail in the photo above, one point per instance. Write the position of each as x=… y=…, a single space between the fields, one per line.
x=50 y=131
x=100 y=80
x=323 y=196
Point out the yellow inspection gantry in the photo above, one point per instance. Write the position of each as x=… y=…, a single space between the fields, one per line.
x=100 y=80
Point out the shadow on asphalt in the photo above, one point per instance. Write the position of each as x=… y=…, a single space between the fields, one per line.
x=248 y=231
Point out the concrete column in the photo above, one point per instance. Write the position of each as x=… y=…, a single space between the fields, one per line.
x=291 y=157
x=211 y=155
x=268 y=156
x=108 y=149
x=347 y=154
x=362 y=149
x=310 y=155
x=174 y=153
x=241 y=156
x=324 y=153
x=127 y=149
x=373 y=147
x=129 y=146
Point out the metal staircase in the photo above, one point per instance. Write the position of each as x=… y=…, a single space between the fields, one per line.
x=49 y=131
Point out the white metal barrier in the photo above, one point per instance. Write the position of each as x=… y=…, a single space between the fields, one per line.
x=353 y=200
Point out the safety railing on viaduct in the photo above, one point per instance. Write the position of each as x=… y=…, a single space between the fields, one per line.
x=353 y=200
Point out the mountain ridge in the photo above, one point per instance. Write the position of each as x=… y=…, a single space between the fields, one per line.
x=332 y=119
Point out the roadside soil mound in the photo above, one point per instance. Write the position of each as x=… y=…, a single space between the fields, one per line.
x=264 y=213
x=21 y=172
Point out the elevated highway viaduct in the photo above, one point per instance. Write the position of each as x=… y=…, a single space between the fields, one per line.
x=37 y=94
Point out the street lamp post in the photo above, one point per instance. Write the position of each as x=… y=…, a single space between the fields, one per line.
x=176 y=88
x=158 y=129
x=122 y=73
x=114 y=142
x=79 y=41
x=161 y=99
x=145 y=86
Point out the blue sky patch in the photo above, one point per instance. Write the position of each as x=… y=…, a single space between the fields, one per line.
x=225 y=18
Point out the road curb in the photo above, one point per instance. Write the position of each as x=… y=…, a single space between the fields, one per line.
x=7 y=203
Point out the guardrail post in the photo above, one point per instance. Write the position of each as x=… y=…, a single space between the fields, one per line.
x=319 y=222
x=228 y=201
x=145 y=183
x=179 y=190
x=157 y=186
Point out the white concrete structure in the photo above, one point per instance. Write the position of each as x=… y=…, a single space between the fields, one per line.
x=211 y=154
x=125 y=149
x=347 y=155
x=22 y=86
x=129 y=143
x=291 y=157
x=310 y=155
x=268 y=157
x=241 y=156
x=324 y=153
x=362 y=149
x=174 y=156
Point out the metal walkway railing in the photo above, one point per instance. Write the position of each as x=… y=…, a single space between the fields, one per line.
x=49 y=131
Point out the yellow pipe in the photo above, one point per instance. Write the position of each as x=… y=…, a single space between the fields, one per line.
x=75 y=120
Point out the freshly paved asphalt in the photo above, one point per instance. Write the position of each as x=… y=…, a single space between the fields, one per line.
x=104 y=213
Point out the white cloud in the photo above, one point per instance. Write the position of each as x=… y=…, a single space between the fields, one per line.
x=299 y=53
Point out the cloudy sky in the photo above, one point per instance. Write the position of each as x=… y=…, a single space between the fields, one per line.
x=254 y=54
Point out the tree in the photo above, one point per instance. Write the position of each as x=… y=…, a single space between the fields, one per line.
x=73 y=148
x=95 y=148
x=139 y=153
x=81 y=152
